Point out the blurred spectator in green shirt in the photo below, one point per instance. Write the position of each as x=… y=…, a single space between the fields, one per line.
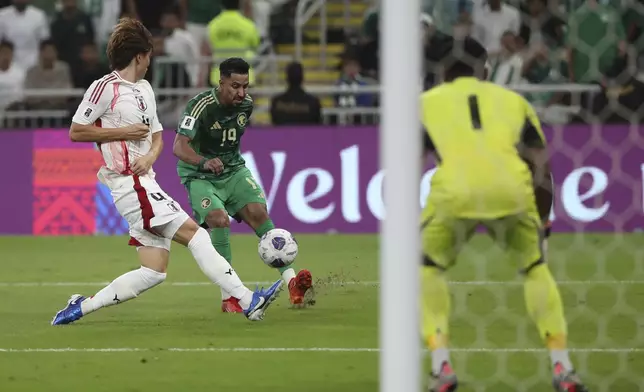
x=70 y=30
x=595 y=39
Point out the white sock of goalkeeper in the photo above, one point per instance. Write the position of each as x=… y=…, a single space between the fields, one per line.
x=123 y=288
x=217 y=269
x=439 y=357
x=561 y=357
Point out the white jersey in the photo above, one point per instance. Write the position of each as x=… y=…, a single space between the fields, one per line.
x=111 y=102
x=152 y=215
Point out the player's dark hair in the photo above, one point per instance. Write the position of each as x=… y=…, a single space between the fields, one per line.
x=233 y=65
x=230 y=4
x=294 y=74
x=6 y=44
x=129 y=39
x=45 y=43
x=464 y=57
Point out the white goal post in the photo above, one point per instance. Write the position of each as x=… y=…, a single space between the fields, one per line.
x=400 y=355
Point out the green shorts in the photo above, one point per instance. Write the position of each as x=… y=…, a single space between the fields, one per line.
x=231 y=194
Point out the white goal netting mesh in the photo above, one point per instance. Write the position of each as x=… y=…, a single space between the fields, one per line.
x=579 y=64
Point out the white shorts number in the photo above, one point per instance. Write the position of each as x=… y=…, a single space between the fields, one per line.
x=151 y=213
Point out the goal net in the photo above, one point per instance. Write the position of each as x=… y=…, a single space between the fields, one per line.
x=577 y=63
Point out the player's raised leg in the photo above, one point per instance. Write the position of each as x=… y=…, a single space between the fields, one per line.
x=247 y=202
x=542 y=298
x=442 y=238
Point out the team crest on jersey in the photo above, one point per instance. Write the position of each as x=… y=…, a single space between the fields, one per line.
x=241 y=119
x=141 y=102
x=205 y=203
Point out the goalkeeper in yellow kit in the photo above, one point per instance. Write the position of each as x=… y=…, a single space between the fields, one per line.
x=492 y=159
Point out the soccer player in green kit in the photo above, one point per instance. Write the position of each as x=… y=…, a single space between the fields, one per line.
x=213 y=171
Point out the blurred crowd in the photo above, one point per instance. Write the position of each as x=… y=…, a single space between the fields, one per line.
x=53 y=44
x=539 y=42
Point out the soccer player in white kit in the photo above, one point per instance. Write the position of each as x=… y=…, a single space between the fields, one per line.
x=119 y=114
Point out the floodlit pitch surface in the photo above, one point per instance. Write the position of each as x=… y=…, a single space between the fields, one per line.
x=174 y=337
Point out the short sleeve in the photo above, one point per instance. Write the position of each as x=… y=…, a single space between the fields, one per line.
x=188 y=126
x=531 y=133
x=95 y=103
x=155 y=124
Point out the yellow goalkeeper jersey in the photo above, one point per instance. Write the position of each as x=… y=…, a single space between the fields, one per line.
x=474 y=128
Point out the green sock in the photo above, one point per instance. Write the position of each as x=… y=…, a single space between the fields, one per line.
x=220 y=238
x=265 y=228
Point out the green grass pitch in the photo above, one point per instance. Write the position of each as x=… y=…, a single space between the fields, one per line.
x=174 y=337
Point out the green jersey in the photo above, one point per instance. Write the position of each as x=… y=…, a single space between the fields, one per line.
x=215 y=131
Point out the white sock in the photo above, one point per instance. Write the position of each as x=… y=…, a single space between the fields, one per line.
x=562 y=357
x=215 y=267
x=439 y=357
x=225 y=295
x=245 y=301
x=123 y=288
x=288 y=275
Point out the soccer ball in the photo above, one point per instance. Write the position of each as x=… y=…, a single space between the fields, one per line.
x=278 y=248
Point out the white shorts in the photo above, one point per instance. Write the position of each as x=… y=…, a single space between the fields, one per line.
x=152 y=215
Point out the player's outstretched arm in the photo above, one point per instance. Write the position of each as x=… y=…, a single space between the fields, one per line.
x=92 y=133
